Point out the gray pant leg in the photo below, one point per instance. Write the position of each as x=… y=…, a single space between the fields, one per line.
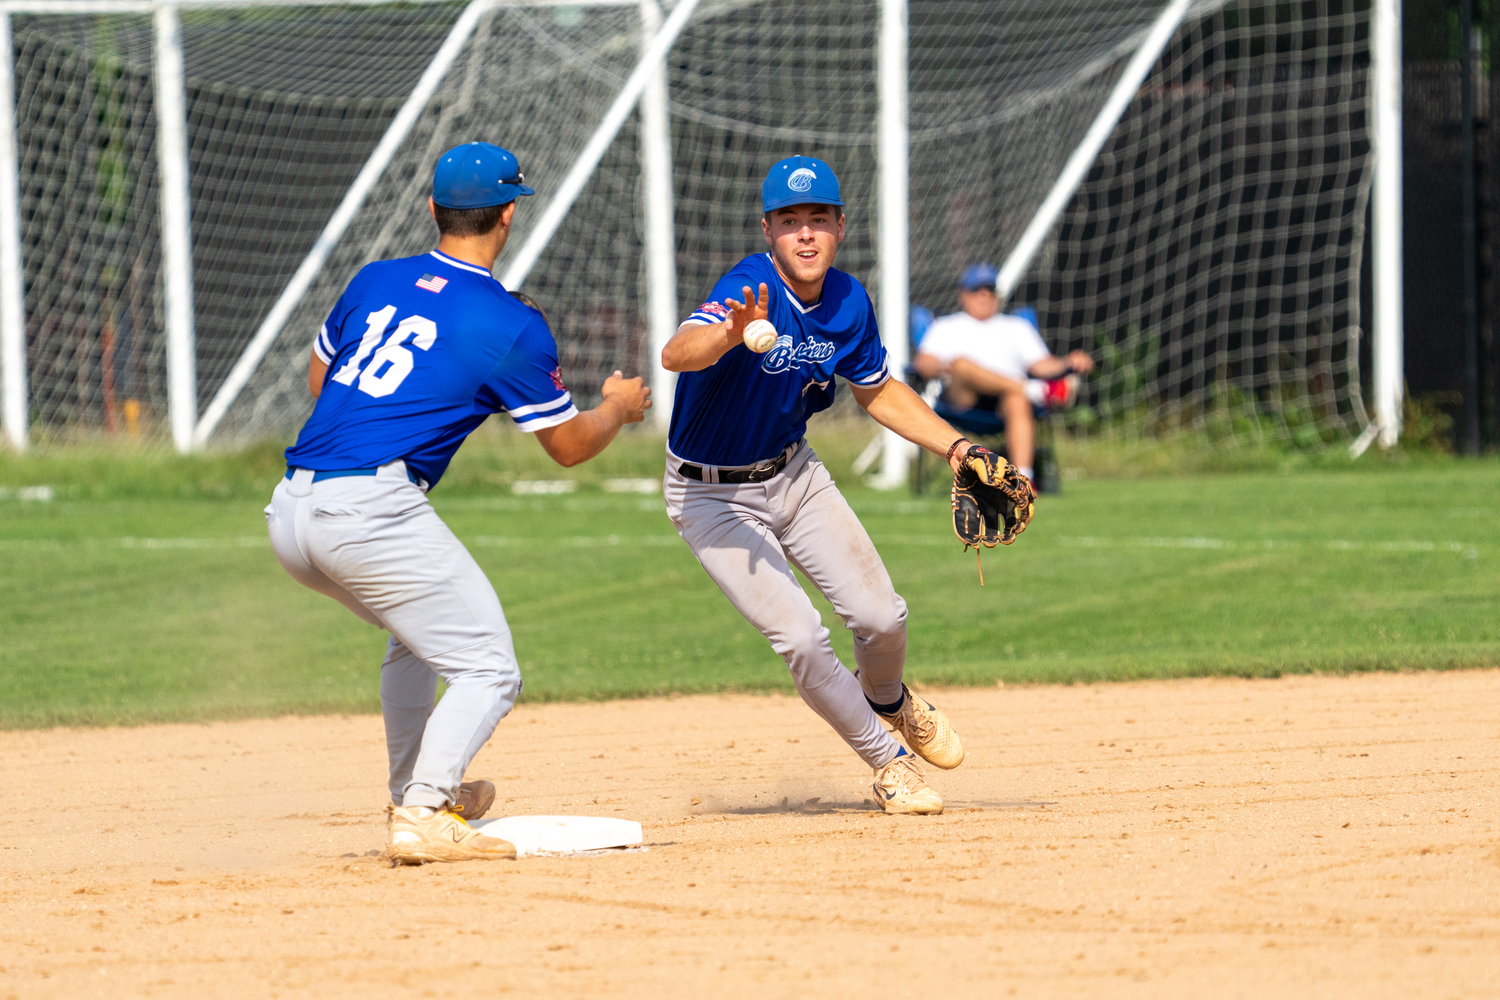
x=483 y=685
x=385 y=545
x=826 y=541
x=408 y=688
x=736 y=546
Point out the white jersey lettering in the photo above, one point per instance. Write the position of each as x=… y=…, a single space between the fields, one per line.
x=376 y=323
x=399 y=358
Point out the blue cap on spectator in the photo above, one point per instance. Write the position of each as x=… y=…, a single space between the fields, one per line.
x=799 y=180
x=477 y=175
x=979 y=276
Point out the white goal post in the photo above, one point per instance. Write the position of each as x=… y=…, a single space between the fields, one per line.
x=12 y=282
x=1388 y=349
x=189 y=430
x=659 y=101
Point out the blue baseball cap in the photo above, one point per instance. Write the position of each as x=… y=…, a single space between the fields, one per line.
x=979 y=276
x=477 y=175
x=799 y=180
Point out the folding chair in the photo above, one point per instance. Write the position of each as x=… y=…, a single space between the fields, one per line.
x=987 y=427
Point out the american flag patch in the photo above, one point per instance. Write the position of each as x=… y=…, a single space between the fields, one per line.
x=431 y=282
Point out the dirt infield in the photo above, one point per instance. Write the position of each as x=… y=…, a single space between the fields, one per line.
x=1311 y=836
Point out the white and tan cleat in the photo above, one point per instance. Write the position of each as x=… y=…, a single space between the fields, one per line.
x=416 y=836
x=927 y=731
x=474 y=799
x=901 y=788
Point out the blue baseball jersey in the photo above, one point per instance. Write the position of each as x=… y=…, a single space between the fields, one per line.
x=419 y=351
x=747 y=407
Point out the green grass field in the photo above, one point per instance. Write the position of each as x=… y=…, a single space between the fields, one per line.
x=146 y=590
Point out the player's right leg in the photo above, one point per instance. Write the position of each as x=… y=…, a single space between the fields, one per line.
x=825 y=539
x=408 y=692
x=736 y=546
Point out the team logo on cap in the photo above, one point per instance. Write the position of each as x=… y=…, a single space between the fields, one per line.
x=801 y=180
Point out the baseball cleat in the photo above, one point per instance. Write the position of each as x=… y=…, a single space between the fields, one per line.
x=927 y=731
x=901 y=788
x=414 y=839
x=474 y=799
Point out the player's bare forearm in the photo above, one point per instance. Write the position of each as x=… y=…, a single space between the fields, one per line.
x=697 y=346
x=982 y=380
x=626 y=401
x=316 y=369
x=896 y=407
x=581 y=438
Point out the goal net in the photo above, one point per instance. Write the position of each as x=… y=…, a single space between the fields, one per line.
x=1210 y=260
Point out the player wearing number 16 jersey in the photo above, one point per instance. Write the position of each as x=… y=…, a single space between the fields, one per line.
x=415 y=355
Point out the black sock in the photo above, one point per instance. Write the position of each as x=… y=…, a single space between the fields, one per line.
x=888 y=709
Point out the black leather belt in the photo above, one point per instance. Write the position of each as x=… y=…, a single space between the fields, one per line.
x=758 y=474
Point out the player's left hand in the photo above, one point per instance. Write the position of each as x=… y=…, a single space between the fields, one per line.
x=631 y=394
x=992 y=501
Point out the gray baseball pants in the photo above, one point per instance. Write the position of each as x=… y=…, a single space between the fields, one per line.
x=749 y=536
x=375 y=545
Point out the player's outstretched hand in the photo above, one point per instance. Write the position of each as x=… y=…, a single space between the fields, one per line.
x=742 y=314
x=631 y=394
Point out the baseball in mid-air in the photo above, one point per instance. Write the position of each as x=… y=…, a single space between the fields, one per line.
x=760 y=336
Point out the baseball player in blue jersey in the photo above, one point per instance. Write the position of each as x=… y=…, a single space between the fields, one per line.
x=415 y=355
x=752 y=500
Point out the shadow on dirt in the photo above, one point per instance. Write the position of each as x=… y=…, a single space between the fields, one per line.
x=818 y=807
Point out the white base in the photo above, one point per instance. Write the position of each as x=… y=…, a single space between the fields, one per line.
x=561 y=834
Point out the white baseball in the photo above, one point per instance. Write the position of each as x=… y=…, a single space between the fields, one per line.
x=760 y=336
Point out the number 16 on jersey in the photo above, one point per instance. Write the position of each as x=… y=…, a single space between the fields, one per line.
x=393 y=362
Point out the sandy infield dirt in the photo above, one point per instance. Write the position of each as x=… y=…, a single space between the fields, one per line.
x=1310 y=836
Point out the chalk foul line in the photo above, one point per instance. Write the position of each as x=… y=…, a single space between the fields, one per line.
x=1467 y=550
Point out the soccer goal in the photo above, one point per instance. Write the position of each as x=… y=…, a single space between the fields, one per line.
x=1180 y=187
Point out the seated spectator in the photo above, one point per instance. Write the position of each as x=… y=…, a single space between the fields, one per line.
x=988 y=359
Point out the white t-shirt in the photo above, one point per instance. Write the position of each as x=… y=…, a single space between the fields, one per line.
x=1005 y=345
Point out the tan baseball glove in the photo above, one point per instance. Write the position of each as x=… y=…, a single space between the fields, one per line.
x=992 y=501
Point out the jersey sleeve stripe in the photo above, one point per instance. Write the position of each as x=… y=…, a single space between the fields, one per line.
x=539 y=423
x=322 y=347
x=533 y=413
x=877 y=378
x=541 y=408
x=701 y=319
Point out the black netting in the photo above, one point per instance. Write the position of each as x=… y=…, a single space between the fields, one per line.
x=1210 y=260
